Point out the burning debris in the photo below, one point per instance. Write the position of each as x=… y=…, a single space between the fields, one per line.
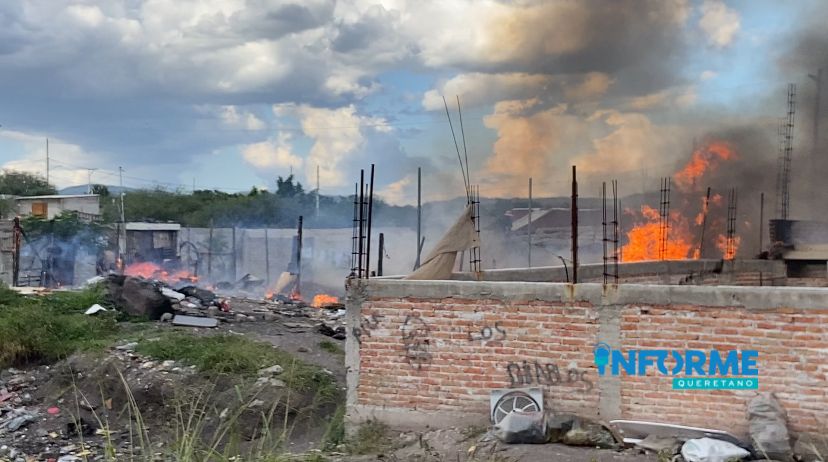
x=679 y=234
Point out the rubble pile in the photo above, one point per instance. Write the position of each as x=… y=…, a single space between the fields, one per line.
x=158 y=300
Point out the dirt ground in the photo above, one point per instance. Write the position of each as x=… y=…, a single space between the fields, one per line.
x=80 y=406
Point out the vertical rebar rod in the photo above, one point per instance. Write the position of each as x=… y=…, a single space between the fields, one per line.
x=705 y=210
x=574 y=210
x=604 y=227
x=730 y=249
x=299 y=256
x=419 y=216
x=761 y=221
x=615 y=255
x=529 y=227
x=370 y=216
x=361 y=222
x=381 y=255
x=355 y=232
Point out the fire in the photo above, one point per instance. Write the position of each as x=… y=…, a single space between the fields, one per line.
x=684 y=232
x=644 y=240
x=728 y=251
x=149 y=270
x=321 y=300
x=700 y=217
x=703 y=159
x=143 y=269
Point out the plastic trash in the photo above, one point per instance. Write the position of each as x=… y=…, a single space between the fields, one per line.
x=711 y=450
x=522 y=427
x=94 y=309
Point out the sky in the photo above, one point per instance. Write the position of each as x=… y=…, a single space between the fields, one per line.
x=231 y=94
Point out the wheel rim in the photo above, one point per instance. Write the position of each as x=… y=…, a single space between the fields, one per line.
x=511 y=402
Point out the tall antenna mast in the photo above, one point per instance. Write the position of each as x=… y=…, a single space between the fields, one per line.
x=317 y=190
x=47 y=160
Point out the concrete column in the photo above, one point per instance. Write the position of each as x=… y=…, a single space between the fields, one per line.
x=609 y=386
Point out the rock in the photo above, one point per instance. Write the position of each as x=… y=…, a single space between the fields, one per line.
x=272 y=370
x=171 y=294
x=588 y=433
x=205 y=296
x=303 y=350
x=166 y=317
x=137 y=297
x=131 y=346
x=767 y=425
x=240 y=317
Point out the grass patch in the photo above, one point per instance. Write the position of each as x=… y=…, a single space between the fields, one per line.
x=331 y=347
x=236 y=355
x=335 y=433
x=371 y=438
x=51 y=327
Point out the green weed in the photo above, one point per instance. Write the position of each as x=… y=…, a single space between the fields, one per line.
x=233 y=354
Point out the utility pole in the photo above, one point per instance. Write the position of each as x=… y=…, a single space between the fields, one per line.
x=121 y=176
x=47 y=160
x=89 y=180
x=419 y=216
x=815 y=142
x=529 y=226
x=317 y=191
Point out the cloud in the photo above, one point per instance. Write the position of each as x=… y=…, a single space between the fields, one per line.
x=477 y=88
x=233 y=117
x=708 y=75
x=720 y=23
x=62 y=172
x=274 y=154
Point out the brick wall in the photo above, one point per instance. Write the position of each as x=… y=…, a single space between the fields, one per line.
x=438 y=348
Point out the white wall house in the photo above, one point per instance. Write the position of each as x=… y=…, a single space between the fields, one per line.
x=48 y=207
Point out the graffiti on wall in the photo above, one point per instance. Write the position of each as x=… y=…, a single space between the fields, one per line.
x=535 y=373
x=416 y=337
x=488 y=333
x=366 y=325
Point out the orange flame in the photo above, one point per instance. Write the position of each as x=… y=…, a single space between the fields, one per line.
x=321 y=300
x=644 y=240
x=149 y=270
x=728 y=251
x=703 y=159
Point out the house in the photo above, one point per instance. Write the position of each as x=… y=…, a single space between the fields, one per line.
x=87 y=206
x=554 y=223
x=150 y=242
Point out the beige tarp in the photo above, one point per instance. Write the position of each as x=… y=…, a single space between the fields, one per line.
x=439 y=264
x=285 y=284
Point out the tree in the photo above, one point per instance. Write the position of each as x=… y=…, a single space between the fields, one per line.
x=286 y=188
x=100 y=190
x=24 y=184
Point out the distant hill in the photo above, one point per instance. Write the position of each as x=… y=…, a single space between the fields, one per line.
x=82 y=189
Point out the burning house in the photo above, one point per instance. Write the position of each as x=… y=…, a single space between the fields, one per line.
x=150 y=242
